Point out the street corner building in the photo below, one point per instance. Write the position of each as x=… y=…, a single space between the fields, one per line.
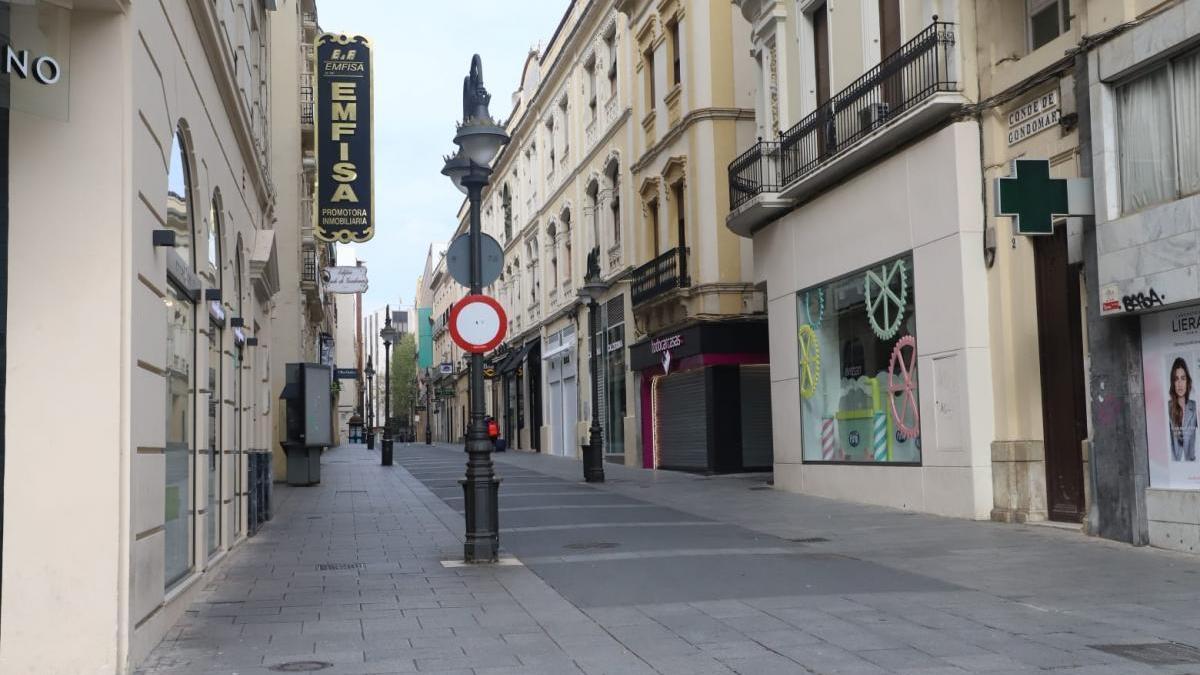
x=145 y=182
x=930 y=354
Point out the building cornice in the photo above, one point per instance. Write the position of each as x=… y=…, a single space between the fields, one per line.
x=221 y=63
x=693 y=117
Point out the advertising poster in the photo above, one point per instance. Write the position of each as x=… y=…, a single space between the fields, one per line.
x=1170 y=364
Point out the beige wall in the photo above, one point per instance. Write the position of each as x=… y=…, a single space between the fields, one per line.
x=83 y=533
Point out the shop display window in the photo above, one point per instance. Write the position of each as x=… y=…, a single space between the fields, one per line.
x=857 y=365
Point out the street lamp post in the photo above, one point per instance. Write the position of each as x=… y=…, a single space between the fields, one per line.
x=593 y=453
x=478 y=140
x=428 y=412
x=389 y=336
x=370 y=373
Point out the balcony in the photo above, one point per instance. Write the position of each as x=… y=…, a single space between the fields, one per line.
x=308 y=269
x=665 y=273
x=908 y=92
x=306 y=106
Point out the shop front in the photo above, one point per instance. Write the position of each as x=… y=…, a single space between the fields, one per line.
x=881 y=369
x=706 y=398
x=560 y=364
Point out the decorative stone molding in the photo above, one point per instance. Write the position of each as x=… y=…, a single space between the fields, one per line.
x=675 y=171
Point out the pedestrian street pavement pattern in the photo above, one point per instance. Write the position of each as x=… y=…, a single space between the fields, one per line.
x=657 y=572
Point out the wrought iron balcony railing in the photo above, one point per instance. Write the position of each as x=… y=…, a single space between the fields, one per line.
x=308 y=268
x=754 y=171
x=666 y=272
x=306 y=106
x=919 y=69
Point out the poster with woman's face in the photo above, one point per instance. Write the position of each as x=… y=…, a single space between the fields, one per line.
x=1170 y=364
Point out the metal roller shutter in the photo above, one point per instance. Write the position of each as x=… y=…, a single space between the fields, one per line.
x=683 y=421
x=757 y=451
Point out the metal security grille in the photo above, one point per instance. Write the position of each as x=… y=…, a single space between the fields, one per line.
x=756 y=416
x=683 y=421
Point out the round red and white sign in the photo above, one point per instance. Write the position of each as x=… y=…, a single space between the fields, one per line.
x=478 y=323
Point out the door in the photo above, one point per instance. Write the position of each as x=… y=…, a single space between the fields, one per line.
x=889 y=43
x=826 y=134
x=555 y=401
x=1060 y=347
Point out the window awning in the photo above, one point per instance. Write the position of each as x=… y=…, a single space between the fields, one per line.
x=516 y=358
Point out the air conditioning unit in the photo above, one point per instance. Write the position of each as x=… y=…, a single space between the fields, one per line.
x=873 y=115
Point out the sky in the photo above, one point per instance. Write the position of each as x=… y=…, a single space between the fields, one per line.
x=422 y=52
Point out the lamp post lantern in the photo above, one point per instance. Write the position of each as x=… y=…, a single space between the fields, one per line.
x=389 y=336
x=478 y=139
x=370 y=374
x=590 y=291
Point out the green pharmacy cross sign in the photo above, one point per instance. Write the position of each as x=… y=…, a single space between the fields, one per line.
x=1034 y=199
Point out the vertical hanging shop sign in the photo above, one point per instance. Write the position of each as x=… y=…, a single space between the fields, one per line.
x=345 y=154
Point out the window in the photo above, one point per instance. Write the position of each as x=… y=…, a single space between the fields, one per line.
x=1047 y=20
x=506 y=206
x=678 y=196
x=551 y=143
x=648 y=74
x=652 y=207
x=589 y=69
x=565 y=234
x=212 y=512
x=857 y=346
x=614 y=203
x=552 y=240
x=214 y=233
x=565 y=129
x=1158 y=130
x=180 y=355
x=675 y=69
x=610 y=48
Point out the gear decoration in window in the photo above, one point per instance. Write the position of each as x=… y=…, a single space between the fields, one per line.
x=885 y=306
x=902 y=385
x=807 y=299
x=810 y=361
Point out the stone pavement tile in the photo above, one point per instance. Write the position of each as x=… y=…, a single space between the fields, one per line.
x=828 y=658
x=773 y=639
x=272 y=628
x=619 y=616
x=850 y=636
x=331 y=627
x=764 y=665
x=983 y=662
x=465 y=662
x=902 y=658
x=380 y=651
x=726 y=609
x=733 y=649
x=698 y=664
x=614 y=665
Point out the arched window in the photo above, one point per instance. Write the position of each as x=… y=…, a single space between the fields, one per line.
x=552 y=241
x=506 y=205
x=180 y=383
x=612 y=173
x=566 y=242
x=215 y=385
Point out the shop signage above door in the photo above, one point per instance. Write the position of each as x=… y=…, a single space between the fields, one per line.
x=662 y=344
x=42 y=68
x=1035 y=200
x=1034 y=117
x=345 y=158
x=345 y=279
x=345 y=373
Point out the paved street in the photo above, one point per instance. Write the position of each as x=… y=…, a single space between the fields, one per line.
x=668 y=573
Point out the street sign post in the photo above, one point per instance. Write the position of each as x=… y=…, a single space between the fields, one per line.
x=345 y=279
x=1034 y=199
x=458 y=259
x=477 y=323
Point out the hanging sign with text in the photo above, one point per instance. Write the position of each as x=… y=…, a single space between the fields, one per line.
x=345 y=279
x=345 y=155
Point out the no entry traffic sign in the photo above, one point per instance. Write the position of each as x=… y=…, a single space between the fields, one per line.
x=477 y=323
